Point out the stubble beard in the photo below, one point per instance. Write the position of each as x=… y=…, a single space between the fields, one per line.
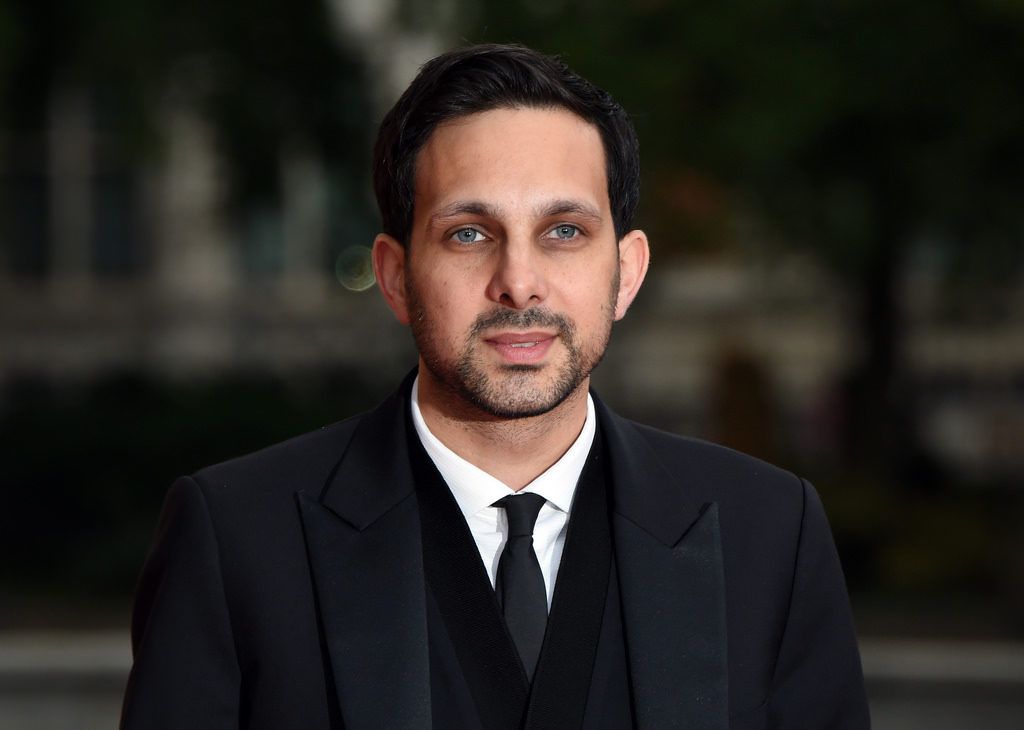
x=516 y=391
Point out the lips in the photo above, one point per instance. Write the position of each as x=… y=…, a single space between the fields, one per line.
x=520 y=338
x=521 y=347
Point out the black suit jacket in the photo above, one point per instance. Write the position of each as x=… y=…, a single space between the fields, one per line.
x=285 y=589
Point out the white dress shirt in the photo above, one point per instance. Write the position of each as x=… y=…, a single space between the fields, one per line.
x=475 y=491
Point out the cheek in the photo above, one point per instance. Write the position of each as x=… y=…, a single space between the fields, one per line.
x=590 y=296
x=445 y=306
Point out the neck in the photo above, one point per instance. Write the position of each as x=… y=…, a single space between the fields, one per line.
x=513 y=450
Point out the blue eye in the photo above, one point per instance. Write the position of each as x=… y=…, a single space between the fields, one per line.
x=565 y=232
x=468 y=235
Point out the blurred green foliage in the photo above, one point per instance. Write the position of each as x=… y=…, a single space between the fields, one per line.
x=849 y=126
x=267 y=74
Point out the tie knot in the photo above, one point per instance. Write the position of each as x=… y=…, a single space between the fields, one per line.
x=522 y=511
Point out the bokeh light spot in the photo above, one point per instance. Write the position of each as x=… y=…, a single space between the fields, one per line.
x=354 y=268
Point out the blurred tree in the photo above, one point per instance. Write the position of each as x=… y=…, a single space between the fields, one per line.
x=862 y=131
x=266 y=73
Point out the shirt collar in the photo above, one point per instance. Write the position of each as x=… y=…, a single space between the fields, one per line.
x=474 y=489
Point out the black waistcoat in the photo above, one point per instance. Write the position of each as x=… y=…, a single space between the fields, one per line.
x=477 y=681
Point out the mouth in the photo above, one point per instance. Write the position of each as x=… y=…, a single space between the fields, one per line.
x=521 y=347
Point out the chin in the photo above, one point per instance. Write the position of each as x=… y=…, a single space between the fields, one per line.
x=517 y=391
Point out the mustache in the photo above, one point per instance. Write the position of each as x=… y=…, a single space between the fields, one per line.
x=534 y=317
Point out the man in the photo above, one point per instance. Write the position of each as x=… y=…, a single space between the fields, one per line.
x=493 y=547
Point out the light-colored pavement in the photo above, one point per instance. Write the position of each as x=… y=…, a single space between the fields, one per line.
x=74 y=681
x=62 y=681
x=948 y=685
x=971 y=662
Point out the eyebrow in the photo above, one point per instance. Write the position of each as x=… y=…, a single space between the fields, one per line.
x=564 y=207
x=465 y=207
x=547 y=210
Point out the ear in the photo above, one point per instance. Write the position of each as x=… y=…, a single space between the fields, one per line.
x=389 y=268
x=634 y=256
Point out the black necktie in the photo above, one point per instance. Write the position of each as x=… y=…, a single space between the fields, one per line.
x=519 y=584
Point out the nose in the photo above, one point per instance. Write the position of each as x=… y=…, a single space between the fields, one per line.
x=518 y=280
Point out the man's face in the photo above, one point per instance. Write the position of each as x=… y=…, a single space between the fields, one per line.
x=511 y=278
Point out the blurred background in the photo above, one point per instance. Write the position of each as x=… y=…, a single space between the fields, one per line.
x=832 y=188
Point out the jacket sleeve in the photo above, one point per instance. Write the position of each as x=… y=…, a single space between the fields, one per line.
x=185 y=673
x=818 y=681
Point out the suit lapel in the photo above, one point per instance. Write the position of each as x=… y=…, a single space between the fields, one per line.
x=365 y=552
x=669 y=557
x=363 y=541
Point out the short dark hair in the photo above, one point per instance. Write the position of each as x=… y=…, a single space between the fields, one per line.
x=485 y=77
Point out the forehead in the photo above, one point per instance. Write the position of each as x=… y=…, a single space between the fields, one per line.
x=511 y=157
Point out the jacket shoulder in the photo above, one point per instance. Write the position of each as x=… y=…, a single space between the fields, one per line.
x=715 y=458
x=718 y=473
x=302 y=462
